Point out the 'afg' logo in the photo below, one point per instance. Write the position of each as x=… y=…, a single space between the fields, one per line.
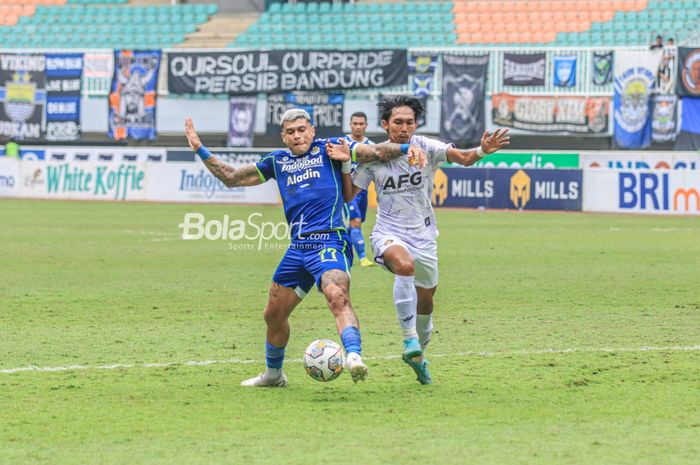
x=520 y=189
x=440 y=187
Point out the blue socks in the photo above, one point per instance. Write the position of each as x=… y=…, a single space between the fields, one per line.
x=351 y=340
x=358 y=241
x=274 y=356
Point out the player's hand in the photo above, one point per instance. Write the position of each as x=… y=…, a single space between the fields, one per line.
x=417 y=156
x=192 y=137
x=340 y=152
x=490 y=143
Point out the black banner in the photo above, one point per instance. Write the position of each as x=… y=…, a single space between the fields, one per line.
x=524 y=69
x=326 y=111
x=22 y=96
x=241 y=127
x=462 y=118
x=663 y=118
x=283 y=70
x=63 y=84
x=602 y=68
x=688 y=72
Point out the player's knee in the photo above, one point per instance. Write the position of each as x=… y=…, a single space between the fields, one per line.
x=272 y=316
x=404 y=267
x=336 y=296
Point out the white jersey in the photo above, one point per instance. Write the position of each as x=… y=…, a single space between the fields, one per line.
x=404 y=192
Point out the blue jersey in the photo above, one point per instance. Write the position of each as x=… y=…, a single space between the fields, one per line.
x=310 y=186
x=352 y=142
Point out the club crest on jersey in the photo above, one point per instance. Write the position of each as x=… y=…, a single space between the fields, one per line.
x=315 y=150
x=397 y=182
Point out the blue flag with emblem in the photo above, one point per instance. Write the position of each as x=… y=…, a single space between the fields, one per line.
x=565 y=71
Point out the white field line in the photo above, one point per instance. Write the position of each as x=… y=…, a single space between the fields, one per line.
x=238 y=361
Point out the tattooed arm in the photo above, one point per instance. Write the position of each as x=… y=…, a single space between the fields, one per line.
x=227 y=174
x=365 y=153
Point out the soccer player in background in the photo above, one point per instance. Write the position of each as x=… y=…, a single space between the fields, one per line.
x=404 y=237
x=309 y=181
x=357 y=207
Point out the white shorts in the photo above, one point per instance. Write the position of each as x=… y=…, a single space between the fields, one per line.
x=424 y=255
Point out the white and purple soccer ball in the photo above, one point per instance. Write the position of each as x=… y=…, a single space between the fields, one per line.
x=324 y=360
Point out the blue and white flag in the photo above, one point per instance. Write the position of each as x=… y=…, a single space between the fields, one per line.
x=635 y=77
x=64 y=73
x=565 y=71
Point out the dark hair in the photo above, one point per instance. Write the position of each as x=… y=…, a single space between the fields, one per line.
x=387 y=104
x=659 y=38
x=358 y=114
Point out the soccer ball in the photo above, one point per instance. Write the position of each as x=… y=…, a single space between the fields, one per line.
x=324 y=360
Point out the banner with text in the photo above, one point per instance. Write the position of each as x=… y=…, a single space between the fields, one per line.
x=22 y=96
x=83 y=180
x=277 y=71
x=9 y=177
x=675 y=192
x=569 y=115
x=508 y=189
x=64 y=73
x=506 y=159
x=640 y=160
x=326 y=111
x=524 y=69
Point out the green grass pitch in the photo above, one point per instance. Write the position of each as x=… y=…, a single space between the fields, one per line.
x=561 y=339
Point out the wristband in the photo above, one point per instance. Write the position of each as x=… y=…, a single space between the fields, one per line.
x=203 y=152
x=353 y=154
x=346 y=167
x=404 y=148
x=480 y=152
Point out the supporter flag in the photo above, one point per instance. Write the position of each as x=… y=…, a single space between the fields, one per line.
x=663 y=118
x=22 y=96
x=524 y=69
x=326 y=111
x=688 y=82
x=635 y=75
x=132 y=98
x=602 y=68
x=63 y=84
x=689 y=137
x=565 y=71
x=462 y=117
x=241 y=126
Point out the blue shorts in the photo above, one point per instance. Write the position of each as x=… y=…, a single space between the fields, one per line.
x=357 y=207
x=307 y=259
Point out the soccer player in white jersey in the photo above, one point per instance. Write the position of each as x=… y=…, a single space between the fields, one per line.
x=404 y=237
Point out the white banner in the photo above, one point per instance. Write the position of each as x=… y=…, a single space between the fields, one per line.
x=630 y=160
x=87 y=180
x=192 y=182
x=9 y=177
x=106 y=154
x=674 y=192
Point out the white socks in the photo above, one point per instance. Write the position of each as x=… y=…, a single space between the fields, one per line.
x=424 y=327
x=405 y=301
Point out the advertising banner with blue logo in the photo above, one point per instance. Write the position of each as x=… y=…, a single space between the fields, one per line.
x=673 y=192
x=191 y=181
x=132 y=98
x=535 y=189
x=635 y=77
x=565 y=71
x=9 y=177
x=63 y=85
x=22 y=96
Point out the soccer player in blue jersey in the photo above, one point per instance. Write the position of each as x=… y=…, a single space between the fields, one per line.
x=357 y=207
x=312 y=186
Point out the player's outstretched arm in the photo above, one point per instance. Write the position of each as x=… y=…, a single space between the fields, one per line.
x=227 y=174
x=365 y=153
x=490 y=143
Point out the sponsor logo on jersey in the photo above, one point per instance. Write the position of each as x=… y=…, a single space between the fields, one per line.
x=305 y=176
x=290 y=166
x=403 y=180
